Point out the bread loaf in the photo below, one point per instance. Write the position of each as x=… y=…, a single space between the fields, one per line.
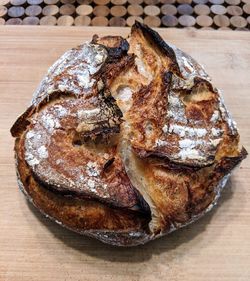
x=125 y=140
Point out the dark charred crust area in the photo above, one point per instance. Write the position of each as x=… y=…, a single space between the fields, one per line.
x=167 y=78
x=111 y=69
x=113 y=117
x=171 y=164
x=115 y=45
x=160 y=160
x=108 y=164
x=154 y=38
x=202 y=82
x=103 y=129
x=110 y=102
x=227 y=164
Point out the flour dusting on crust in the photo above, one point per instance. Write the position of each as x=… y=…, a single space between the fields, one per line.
x=73 y=72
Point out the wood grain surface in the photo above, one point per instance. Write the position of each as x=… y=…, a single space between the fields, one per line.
x=215 y=248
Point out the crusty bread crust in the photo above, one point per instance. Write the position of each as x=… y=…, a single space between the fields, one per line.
x=125 y=142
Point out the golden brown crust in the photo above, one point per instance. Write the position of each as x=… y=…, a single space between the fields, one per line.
x=125 y=142
x=78 y=214
x=82 y=146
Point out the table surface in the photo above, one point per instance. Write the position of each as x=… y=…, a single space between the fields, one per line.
x=217 y=247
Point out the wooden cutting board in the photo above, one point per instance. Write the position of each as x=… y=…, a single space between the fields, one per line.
x=217 y=247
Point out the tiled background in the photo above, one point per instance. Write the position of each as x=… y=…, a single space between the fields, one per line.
x=206 y=14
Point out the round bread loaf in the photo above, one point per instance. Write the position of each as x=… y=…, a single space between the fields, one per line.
x=125 y=140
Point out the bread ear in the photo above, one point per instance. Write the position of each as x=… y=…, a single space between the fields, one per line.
x=22 y=122
x=147 y=36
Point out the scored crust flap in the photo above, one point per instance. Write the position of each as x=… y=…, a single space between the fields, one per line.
x=176 y=132
x=70 y=137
